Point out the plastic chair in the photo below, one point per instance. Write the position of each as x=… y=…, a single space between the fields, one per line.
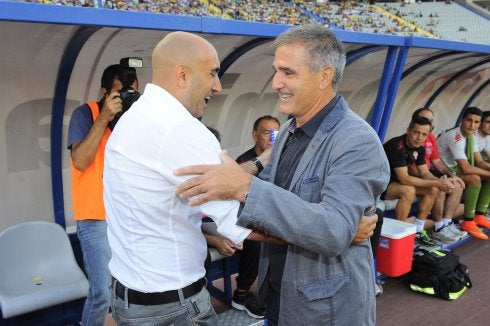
x=37 y=269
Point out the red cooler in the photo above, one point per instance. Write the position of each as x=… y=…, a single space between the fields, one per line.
x=395 y=249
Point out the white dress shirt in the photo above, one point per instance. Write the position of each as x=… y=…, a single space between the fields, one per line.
x=155 y=237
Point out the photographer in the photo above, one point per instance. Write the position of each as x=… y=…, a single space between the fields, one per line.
x=89 y=130
x=128 y=92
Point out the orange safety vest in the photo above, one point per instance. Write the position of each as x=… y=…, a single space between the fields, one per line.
x=86 y=186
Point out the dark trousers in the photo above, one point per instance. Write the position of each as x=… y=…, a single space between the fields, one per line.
x=248 y=266
x=273 y=299
x=273 y=303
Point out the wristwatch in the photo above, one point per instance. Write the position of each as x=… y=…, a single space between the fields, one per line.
x=257 y=163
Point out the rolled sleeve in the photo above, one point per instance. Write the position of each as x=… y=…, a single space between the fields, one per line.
x=224 y=214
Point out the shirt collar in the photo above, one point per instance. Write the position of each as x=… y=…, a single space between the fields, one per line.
x=406 y=144
x=311 y=126
x=159 y=94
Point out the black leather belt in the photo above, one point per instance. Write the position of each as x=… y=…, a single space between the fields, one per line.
x=158 y=298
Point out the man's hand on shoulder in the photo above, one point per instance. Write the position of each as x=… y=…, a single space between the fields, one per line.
x=214 y=182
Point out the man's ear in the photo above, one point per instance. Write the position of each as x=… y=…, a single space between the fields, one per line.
x=182 y=74
x=255 y=136
x=326 y=74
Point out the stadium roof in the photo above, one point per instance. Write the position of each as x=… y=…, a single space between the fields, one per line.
x=52 y=57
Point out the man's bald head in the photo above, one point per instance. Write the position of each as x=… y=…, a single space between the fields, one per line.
x=178 y=48
x=186 y=65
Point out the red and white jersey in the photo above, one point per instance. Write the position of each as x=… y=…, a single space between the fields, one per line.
x=431 y=149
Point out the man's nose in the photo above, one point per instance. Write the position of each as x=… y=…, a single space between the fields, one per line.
x=217 y=86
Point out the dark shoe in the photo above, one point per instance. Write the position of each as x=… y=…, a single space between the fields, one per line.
x=247 y=301
x=424 y=239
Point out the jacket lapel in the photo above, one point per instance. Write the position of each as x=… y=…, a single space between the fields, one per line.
x=278 y=147
x=320 y=136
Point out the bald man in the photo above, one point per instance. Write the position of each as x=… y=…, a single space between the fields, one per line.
x=157 y=246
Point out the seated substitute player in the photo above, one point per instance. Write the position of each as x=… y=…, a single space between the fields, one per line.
x=482 y=139
x=459 y=150
x=446 y=204
x=410 y=177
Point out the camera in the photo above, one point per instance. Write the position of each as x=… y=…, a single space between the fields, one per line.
x=127 y=76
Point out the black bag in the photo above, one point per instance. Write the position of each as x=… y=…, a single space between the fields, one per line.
x=438 y=273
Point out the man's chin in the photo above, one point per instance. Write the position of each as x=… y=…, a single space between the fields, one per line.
x=197 y=113
x=285 y=109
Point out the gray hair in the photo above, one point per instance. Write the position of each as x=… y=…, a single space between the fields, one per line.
x=323 y=47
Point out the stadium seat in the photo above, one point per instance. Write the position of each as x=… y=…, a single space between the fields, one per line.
x=38 y=268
